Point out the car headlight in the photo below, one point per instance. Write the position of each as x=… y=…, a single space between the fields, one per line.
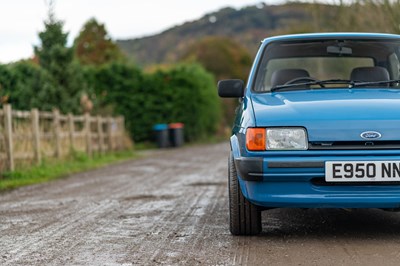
x=286 y=139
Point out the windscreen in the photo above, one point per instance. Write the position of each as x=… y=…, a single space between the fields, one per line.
x=361 y=60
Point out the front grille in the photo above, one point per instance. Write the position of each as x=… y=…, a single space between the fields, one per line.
x=354 y=145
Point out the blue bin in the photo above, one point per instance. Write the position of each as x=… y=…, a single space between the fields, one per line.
x=161 y=135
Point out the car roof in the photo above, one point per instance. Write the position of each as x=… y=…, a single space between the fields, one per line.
x=332 y=35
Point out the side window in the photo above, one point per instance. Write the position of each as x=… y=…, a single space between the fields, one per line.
x=394 y=66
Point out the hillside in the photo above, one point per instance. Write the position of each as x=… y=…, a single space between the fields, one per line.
x=248 y=26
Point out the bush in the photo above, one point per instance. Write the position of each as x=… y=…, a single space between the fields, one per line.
x=185 y=93
x=117 y=86
x=190 y=96
x=26 y=85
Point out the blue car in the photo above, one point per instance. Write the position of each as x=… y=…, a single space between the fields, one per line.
x=318 y=126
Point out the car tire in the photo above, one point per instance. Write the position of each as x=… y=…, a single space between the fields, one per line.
x=244 y=217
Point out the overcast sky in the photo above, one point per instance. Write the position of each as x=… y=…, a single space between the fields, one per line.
x=21 y=20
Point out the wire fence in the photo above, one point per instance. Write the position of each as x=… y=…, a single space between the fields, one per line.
x=26 y=137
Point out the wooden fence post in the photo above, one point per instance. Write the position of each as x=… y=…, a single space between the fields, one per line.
x=71 y=131
x=100 y=134
x=121 y=132
x=88 y=134
x=8 y=136
x=36 y=135
x=56 y=132
x=124 y=146
x=122 y=125
x=110 y=133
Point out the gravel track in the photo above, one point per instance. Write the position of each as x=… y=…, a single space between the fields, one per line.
x=171 y=208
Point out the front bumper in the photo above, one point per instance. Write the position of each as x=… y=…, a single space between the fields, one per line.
x=299 y=181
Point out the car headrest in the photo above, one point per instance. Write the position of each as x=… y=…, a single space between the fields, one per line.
x=280 y=77
x=368 y=74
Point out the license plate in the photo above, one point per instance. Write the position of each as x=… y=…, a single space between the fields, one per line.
x=362 y=171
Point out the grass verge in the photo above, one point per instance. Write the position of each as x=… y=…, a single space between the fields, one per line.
x=53 y=169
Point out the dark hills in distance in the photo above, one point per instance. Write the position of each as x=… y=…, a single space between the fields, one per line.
x=248 y=26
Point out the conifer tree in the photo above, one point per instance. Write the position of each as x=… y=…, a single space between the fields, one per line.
x=57 y=59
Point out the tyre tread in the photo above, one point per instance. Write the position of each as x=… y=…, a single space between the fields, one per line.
x=244 y=217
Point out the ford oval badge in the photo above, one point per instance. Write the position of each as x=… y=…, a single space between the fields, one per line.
x=371 y=135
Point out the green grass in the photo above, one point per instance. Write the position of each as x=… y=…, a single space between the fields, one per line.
x=145 y=146
x=52 y=169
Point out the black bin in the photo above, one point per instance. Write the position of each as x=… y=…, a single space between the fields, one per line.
x=176 y=134
x=161 y=135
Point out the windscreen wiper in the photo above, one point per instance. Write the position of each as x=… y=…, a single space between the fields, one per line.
x=321 y=83
x=367 y=83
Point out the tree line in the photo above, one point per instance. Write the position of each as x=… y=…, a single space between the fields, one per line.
x=94 y=76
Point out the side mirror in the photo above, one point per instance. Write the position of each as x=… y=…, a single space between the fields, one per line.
x=231 y=88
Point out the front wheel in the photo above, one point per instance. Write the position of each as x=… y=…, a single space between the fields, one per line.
x=244 y=217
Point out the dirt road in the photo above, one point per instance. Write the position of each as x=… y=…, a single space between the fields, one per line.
x=171 y=208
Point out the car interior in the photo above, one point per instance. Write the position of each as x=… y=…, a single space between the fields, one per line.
x=352 y=60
